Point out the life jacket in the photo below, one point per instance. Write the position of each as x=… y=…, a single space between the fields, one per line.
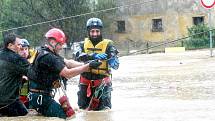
x=33 y=54
x=101 y=47
x=43 y=81
x=41 y=74
x=25 y=87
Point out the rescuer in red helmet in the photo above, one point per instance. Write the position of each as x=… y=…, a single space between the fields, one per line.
x=47 y=72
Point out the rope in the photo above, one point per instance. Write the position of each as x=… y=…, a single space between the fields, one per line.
x=62 y=87
x=79 y=15
x=7 y=105
x=170 y=42
x=4 y=106
x=97 y=93
x=98 y=89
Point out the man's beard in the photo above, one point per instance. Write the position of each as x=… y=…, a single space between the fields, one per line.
x=95 y=40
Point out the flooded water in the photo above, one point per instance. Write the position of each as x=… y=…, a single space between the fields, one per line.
x=154 y=87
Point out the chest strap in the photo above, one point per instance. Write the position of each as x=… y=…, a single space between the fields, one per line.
x=42 y=92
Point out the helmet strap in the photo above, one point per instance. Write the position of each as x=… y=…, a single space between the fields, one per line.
x=54 y=47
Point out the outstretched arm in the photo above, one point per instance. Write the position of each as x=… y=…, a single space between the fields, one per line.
x=71 y=72
x=72 y=63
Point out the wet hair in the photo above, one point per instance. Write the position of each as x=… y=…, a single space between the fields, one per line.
x=9 y=38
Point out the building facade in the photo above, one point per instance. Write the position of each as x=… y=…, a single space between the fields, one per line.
x=158 y=20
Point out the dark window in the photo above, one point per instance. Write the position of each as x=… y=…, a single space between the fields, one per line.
x=120 y=26
x=198 y=20
x=157 y=25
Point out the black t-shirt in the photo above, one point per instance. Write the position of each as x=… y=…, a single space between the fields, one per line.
x=47 y=68
x=12 y=68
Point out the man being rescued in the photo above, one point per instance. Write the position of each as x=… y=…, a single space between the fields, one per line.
x=29 y=54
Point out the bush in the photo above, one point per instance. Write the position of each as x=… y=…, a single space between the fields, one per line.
x=197 y=41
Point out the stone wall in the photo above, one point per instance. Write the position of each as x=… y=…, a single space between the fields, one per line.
x=176 y=15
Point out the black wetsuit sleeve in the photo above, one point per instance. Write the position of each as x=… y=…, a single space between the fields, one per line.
x=111 y=50
x=24 y=65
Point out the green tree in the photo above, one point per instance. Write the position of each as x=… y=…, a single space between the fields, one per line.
x=16 y=13
x=107 y=16
x=197 y=40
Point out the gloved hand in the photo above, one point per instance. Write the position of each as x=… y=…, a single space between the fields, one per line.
x=101 y=56
x=114 y=63
x=83 y=57
x=94 y=64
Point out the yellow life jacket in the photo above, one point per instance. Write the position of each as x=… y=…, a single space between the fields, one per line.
x=99 y=48
x=24 y=89
x=33 y=53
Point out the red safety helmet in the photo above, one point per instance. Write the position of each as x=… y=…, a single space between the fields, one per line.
x=57 y=34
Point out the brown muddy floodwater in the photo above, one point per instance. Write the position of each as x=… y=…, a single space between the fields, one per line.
x=154 y=87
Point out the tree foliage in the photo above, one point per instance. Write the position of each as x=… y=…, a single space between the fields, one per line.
x=16 y=13
x=198 y=40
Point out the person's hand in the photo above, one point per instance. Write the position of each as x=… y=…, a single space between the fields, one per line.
x=83 y=57
x=101 y=56
x=24 y=79
x=94 y=64
x=114 y=63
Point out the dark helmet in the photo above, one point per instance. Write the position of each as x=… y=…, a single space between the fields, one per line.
x=25 y=43
x=94 y=23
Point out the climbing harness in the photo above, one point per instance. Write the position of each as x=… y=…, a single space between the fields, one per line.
x=98 y=93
